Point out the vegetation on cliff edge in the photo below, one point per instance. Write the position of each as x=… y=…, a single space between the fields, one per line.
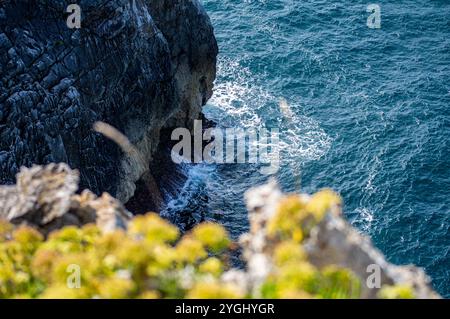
x=152 y=260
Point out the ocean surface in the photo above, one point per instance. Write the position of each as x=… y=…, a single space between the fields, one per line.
x=370 y=116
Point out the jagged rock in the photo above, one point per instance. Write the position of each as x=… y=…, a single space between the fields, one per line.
x=335 y=242
x=41 y=194
x=332 y=242
x=44 y=197
x=261 y=205
x=107 y=212
x=139 y=65
x=191 y=51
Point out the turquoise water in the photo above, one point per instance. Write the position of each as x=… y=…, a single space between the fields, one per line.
x=371 y=115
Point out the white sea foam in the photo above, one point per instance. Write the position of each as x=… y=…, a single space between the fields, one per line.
x=235 y=98
x=239 y=101
x=364 y=219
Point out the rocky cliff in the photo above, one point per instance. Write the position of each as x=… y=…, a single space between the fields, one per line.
x=139 y=65
x=332 y=241
x=142 y=66
x=292 y=249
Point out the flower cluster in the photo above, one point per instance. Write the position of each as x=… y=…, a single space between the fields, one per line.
x=151 y=259
x=293 y=275
x=296 y=216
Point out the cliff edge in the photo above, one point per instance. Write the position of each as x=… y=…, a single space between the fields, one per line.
x=298 y=246
x=140 y=65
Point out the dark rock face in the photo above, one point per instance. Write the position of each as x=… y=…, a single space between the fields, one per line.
x=139 y=65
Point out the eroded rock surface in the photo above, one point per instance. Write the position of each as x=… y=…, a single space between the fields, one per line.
x=332 y=242
x=138 y=65
x=44 y=197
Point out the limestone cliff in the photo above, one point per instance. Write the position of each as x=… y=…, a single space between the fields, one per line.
x=139 y=65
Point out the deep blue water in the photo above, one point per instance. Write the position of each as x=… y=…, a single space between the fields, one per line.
x=371 y=115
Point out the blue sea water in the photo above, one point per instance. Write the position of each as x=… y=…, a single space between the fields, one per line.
x=371 y=115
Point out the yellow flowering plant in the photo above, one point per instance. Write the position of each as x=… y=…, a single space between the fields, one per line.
x=151 y=259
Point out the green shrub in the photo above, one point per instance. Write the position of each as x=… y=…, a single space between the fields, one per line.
x=396 y=292
x=151 y=260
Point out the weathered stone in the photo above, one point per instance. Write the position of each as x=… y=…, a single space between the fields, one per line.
x=138 y=65
x=332 y=242
x=41 y=194
x=107 y=212
x=44 y=197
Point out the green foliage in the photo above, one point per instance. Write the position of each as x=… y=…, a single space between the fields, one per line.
x=212 y=236
x=296 y=216
x=294 y=276
x=396 y=292
x=338 y=283
x=214 y=290
x=151 y=260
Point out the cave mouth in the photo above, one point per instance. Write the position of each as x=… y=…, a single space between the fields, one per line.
x=141 y=202
x=164 y=180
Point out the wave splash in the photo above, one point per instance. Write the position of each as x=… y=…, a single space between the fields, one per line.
x=239 y=101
